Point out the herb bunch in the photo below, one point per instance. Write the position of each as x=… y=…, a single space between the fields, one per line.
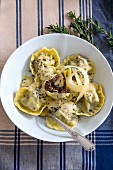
x=85 y=29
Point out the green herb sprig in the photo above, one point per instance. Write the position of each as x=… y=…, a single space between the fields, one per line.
x=96 y=25
x=80 y=26
x=58 y=29
x=85 y=29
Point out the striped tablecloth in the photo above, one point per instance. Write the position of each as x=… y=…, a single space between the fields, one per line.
x=21 y=20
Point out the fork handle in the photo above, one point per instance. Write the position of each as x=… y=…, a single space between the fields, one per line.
x=83 y=141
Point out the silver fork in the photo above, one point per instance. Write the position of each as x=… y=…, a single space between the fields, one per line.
x=83 y=141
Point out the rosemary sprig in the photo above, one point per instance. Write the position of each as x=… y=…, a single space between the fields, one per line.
x=58 y=29
x=98 y=28
x=85 y=29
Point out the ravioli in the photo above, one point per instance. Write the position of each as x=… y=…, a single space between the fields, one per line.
x=44 y=58
x=67 y=114
x=92 y=102
x=26 y=102
x=78 y=60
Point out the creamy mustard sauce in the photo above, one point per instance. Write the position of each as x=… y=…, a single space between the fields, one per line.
x=45 y=73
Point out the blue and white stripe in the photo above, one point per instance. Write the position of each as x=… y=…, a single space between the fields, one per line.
x=7 y=137
x=40 y=32
x=18 y=43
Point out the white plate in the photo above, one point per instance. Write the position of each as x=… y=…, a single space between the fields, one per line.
x=18 y=65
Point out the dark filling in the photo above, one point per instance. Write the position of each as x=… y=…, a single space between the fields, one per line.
x=51 y=87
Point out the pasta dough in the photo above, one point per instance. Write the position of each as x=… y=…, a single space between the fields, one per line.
x=27 y=103
x=67 y=114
